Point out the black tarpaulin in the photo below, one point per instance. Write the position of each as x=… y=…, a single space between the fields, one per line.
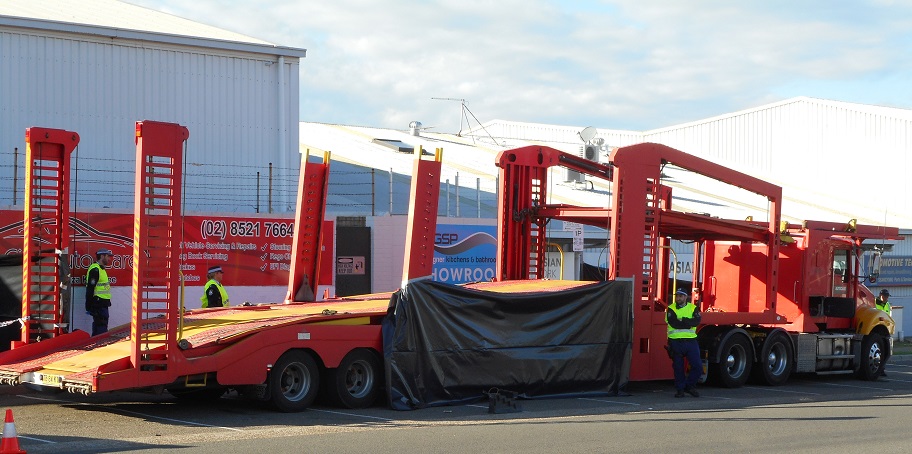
x=446 y=344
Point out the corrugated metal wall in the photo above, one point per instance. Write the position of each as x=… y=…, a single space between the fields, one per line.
x=100 y=87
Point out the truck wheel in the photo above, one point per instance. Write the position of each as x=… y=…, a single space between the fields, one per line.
x=356 y=382
x=872 y=357
x=774 y=366
x=735 y=359
x=293 y=381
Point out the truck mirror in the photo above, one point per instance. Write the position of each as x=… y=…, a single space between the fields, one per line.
x=875 y=267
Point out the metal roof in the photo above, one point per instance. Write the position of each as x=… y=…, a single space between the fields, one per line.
x=472 y=159
x=117 y=19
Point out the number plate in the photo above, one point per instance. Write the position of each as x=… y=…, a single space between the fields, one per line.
x=50 y=380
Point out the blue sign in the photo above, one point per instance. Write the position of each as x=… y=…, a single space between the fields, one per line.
x=894 y=270
x=464 y=253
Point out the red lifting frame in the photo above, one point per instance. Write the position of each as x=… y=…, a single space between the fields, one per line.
x=522 y=207
x=424 y=197
x=307 y=244
x=47 y=208
x=156 y=245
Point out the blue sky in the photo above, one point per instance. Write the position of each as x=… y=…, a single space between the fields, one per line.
x=626 y=64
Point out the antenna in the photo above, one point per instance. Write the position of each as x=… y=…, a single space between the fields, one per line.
x=462 y=110
x=465 y=114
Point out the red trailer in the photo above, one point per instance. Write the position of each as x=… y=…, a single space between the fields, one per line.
x=281 y=352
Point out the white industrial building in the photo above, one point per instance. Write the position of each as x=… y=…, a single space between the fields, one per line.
x=97 y=66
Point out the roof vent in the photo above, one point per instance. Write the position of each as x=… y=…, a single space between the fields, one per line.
x=415 y=128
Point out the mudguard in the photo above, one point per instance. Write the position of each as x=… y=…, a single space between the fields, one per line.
x=867 y=318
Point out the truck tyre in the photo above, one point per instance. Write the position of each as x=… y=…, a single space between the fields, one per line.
x=776 y=360
x=735 y=359
x=872 y=357
x=356 y=382
x=293 y=381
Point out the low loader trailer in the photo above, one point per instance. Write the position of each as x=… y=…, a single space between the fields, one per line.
x=278 y=352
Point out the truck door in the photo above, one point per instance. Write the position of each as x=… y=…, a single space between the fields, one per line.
x=841 y=273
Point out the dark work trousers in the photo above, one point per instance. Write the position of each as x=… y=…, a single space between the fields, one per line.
x=99 y=320
x=690 y=349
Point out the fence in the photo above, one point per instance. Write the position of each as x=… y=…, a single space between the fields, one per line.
x=353 y=190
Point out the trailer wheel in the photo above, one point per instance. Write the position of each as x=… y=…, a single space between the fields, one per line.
x=872 y=357
x=735 y=359
x=293 y=381
x=776 y=360
x=356 y=382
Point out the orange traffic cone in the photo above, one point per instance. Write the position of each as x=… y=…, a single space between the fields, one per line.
x=10 y=442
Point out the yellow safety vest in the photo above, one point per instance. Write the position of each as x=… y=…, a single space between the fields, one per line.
x=102 y=287
x=222 y=291
x=883 y=305
x=685 y=312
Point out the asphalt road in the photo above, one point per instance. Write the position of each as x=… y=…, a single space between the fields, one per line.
x=809 y=414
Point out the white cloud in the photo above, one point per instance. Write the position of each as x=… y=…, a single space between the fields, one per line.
x=613 y=64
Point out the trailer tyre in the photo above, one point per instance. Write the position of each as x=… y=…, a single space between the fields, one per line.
x=872 y=357
x=735 y=359
x=776 y=360
x=356 y=382
x=293 y=381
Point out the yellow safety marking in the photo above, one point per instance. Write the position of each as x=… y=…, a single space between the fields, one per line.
x=345 y=321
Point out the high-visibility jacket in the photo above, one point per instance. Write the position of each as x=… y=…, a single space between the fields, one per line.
x=222 y=292
x=684 y=312
x=884 y=306
x=103 y=286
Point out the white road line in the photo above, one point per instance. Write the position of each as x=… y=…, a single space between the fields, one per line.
x=169 y=419
x=781 y=390
x=608 y=401
x=716 y=397
x=478 y=406
x=859 y=387
x=353 y=414
x=45 y=398
x=36 y=439
x=899 y=365
x=134 y=413
x=894 y=379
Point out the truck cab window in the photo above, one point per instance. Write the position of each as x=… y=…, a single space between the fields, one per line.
x=841 y=272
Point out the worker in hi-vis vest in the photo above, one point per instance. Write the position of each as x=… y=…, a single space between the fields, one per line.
x=98 y=291
x=214 y=295
x=683 y=318
x=883 y=302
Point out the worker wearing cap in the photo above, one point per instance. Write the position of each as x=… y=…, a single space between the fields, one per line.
x=882 y=302
x=98 y=291
x=682 y=318
x=214 y=295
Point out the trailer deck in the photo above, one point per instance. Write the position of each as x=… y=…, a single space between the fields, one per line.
x=76 y=359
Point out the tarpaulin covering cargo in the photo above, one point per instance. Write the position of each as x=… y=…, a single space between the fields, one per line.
x=446 y=344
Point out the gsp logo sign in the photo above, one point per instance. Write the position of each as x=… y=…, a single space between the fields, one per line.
x=464 y=253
